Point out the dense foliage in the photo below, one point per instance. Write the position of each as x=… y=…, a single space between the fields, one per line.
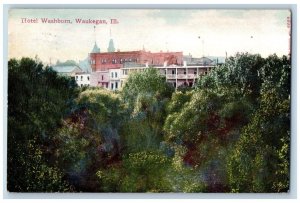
x=231 y=133
x=38 y=100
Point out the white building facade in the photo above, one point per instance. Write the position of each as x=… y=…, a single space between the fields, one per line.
x=83 y=79
x=115 y=79
x=178 y=76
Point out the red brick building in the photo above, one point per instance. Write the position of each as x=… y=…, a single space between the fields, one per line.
x=116 y=60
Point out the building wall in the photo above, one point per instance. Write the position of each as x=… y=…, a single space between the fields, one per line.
x=176 y=75
x=82 y=79
x=115 y=60
x=111 y=69
x=114 y=79
x=100 y=79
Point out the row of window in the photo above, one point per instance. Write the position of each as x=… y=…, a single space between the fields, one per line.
x=125 y=72
x=195 y=72
x=173 y=72
x=81 y=78
x=114 y=85
x=115 y=61
x=114 y=74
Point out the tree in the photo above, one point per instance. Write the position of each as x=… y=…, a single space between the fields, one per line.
x=239 y=74
x=38 y=99
x=89 y=138
x=149 y=82
x=144 y=171
x=259 y=161
x=145 y=94
x=143 y=166
x=209 y=121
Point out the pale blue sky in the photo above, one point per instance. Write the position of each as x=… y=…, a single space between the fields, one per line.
x=220 y=31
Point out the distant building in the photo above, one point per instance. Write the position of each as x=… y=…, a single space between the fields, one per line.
x=106 y=67
x=112 y=68
x=67 y=70
x=116 y=60
x=178 y=76
x=82 y=79
x=204 y=61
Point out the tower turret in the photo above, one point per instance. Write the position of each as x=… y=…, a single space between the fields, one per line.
x=96 y=49
x=111 y=47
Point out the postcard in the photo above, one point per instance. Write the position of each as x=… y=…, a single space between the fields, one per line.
x=149 y=100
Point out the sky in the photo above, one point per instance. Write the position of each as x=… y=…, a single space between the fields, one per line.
x=199 y=32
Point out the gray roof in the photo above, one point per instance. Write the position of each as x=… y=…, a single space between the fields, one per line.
x=85 y=66
x=220 y=59
x=111 y=47
x=209 y=60
x=66 y=69
x=96 y=49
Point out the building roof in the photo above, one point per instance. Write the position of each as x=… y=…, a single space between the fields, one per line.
x=96 y=49
x=111 y=47
x=66 y=69
x=85 y=65
x=218 y=59
x=82 y=73
x=209 y=60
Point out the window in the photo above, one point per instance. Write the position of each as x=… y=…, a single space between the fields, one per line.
x=102 y=77
x=184 y=72
x=173 y=72
x=116 y=74
x=88 y=78
x=81 y=78
x=116 y=85
x=121 y=61
x=106 y=85
x=195 y=72
x=76 y=77
x=112 y=74
x=112 y=86
x=174 y=84
x=114 y=61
